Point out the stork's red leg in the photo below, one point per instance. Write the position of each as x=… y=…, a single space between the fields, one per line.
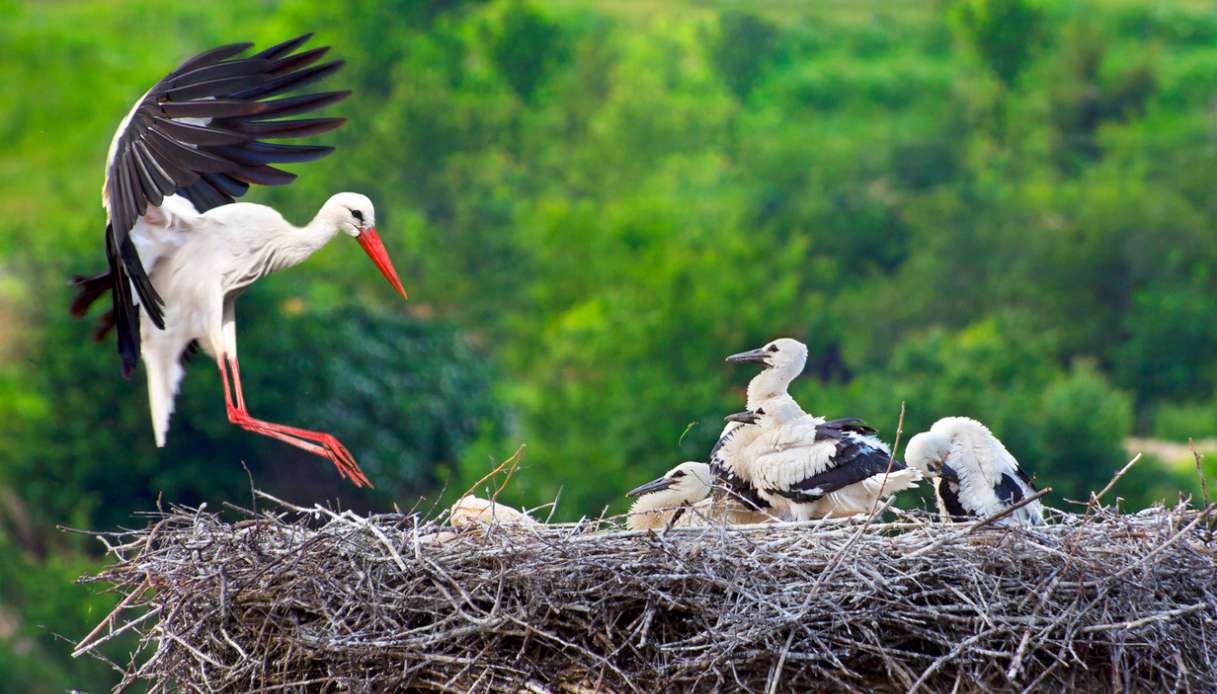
x=329 y=448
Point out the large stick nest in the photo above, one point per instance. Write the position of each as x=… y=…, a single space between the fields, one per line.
x=309 y=600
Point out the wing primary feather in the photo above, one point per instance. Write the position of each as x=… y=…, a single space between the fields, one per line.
x=190 y=134
x=262 y=175
x=214 y=55
x=291 y=81
x=282 y=129
x=221 y=87
x=297 y=61
x=295 y=105
x=188 y=157
x=212 y=108
x=258 y=153
x=226 y=184
x=218 y=71
x=285 y=47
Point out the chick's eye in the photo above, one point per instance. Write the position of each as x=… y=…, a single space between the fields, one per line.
x=773 y=348
x=357 y=214
x=678 y=473
x=759 y=411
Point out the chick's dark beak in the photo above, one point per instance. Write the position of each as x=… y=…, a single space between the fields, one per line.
x=948 y=473
x=756 y=356
x=656 y=486
x=741 y=417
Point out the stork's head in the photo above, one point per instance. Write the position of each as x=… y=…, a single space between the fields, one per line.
x=928 y=452
x=354 y=216
x=687 y=483
x=783 y=360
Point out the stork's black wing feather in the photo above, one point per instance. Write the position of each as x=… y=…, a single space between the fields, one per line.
x=210 y=159
x=1025 y=478
x=854 y=460
x=1008 y=490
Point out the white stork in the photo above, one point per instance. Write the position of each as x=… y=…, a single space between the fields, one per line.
x=812 y=468
x=783 y=360
x=975 y=476
x=178 y=245
x=684 y=488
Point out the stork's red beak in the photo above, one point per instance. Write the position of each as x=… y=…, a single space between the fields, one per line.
x=370 y=241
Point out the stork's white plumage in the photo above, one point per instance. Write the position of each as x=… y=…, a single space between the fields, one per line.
x=812 y=468
x=975 y=476
x=178 y=246
x=679 y=497
x=783 y=360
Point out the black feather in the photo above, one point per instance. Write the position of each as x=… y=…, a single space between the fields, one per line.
x=295 y=105
x=217 y=71
x=297 y=61
x=212 y=108
x=263 y=175
x=948 y=492
x=285 y=47
x=258 y=153
x=194 y=159
x=1008 y=490
x=290 y=82
x=197 y=134
x=220 y=87
x=214 y=55
x=278 y=129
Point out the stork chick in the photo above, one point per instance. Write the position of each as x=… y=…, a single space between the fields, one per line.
x=679 y=498
x=783 y=359
x=812 y=468
x=974 y=475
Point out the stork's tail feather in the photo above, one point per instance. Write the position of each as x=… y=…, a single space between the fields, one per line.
x=164 y=377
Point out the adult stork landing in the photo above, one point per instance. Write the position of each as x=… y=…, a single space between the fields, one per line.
x=178 y=245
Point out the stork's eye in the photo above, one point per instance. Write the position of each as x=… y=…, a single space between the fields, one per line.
x=678 y=474
x=759 y=410
x=357 y=214
x=773 y=348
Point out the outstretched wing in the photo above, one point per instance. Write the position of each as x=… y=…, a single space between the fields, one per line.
x=199 y=134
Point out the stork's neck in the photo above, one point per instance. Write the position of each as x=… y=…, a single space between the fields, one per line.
x=769 y=383
x=295 y=244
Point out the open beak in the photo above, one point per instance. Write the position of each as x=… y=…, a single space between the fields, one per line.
x=657 y=486
x=948 y=473
x=741 y=417
x=370 y=241
x=756 y=356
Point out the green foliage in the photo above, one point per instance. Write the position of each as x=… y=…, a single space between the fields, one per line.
x=742 y=50
x=525 y=47
x=43 y=611
x=1085 y=423
x=1005 y=34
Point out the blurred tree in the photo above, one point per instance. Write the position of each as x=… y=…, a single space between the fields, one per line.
x=1084 y=425
x=1082 y=98
x=525 y=46
x=1005 y=33
x=745 y=46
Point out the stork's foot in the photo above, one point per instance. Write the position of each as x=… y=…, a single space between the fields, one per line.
x=300 y=438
